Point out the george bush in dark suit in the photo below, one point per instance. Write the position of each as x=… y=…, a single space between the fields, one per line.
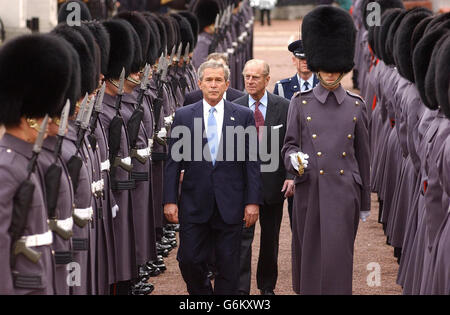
x=271 y=113
x=217 y=193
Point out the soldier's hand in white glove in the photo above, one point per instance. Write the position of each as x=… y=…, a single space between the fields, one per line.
x=303 y=157
x=364 y=215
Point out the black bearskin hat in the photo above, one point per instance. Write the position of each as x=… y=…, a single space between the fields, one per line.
x=36 y=73
x=142 y=28
x=89 y=79
x=329 y=39
x=67 y=8
x=421 y=61
x=430 y=78
x=384 y=5
x=194 y=25
x=122 y=48
x=386 y=20
x=442 y=79
x=185 y=31
x=102 y=37
x=206 y=12
x=402 y=42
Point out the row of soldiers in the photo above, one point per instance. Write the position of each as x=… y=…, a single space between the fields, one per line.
x=87 y=110
x=404 y=75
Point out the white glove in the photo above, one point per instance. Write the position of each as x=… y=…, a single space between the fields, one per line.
x=364 y=215
x=162 y=133
x=168 y=120
x=303 y=157
x=114 y=211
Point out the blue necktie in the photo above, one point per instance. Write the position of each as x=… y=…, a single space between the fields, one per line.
x=306 y=85
x=212 y=135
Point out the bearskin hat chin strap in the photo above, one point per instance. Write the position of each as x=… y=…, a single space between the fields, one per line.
x=330 y=85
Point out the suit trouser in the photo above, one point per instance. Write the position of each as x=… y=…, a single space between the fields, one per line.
x=197 y=242
x=267 y=271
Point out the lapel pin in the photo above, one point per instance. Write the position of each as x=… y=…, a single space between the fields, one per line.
x=232 y=118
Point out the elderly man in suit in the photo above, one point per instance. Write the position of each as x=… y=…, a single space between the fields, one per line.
x=230 y=95
x=219 y=189
x=270 y=114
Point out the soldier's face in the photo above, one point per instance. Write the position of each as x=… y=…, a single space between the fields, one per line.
x=213 y=85
x=329 y=77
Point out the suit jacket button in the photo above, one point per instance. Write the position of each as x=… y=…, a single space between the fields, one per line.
x=357 y=103
x=308 y=118
x=350 y=137
x=322 y=172
x=314 y=136
x=305 y=102
x=344 y=154
x=319 y=154
x=355 y=119
x=342 y=172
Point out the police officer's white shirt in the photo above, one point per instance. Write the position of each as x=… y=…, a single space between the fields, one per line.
x=218 y=114
x=302 y=83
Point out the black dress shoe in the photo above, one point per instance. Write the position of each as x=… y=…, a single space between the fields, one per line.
x=142 y=288
x=157 y=264
x=163 y=252
x=210 y=275
x=267 y=292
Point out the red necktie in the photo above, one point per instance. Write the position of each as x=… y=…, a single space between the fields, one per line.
x=259 y=119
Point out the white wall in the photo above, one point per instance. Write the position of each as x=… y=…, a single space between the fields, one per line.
x=13 y=13
x=46 y=11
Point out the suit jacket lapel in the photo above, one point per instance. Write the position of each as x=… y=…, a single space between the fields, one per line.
x=229 y=120
x=272 y=113
x=198 y=114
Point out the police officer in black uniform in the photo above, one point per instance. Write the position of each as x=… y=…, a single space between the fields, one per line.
x=303 y=80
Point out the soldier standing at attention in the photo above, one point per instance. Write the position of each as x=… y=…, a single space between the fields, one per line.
x=327 y=147
x=304 y=80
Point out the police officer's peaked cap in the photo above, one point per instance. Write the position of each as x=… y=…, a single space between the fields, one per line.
x=142 y=28
x=34 y=78
x=122 y=48
x=329 y=39
x=421 y=60
x=384 y=5
x=89 y=80
x=102 y=38
x=403 y=44
x=443 y=77
x=206 y=11
x=297 y=49
x=65 y=10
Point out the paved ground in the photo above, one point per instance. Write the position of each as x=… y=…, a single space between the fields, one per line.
x=371 y=250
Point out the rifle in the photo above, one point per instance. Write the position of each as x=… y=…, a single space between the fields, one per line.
x=52 y=178
x=134 y=124
x=98 y=108
x=115 y=132
x=22 y=204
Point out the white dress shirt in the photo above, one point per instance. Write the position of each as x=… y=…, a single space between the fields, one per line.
x=302 y=82
x=218 y=114
x=264 y=102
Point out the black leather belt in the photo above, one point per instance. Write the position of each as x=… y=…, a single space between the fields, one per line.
x=63 y=258
x=123 y=185
x=159 y=156
x=27 y=281
x=140 y=176
x=80 y=244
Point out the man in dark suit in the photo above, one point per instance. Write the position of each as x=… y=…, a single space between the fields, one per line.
x=230 y=95
x=270 y=112
x=219 y=190
x=304 y=80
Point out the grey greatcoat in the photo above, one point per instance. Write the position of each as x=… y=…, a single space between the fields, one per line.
x=15 y=155
x=331 y=127
x=126 y=268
